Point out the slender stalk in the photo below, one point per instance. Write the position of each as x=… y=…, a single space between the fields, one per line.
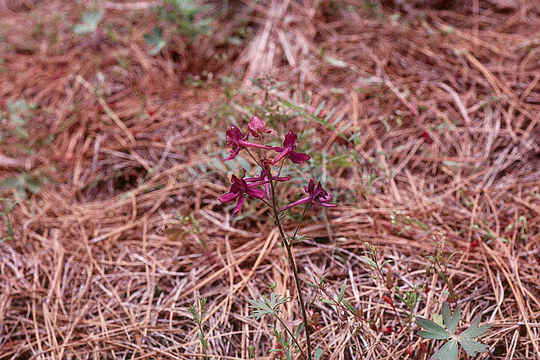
x=253 y=157
x=292 y=336
x=299 y=223
x=203 y=346
x=293 y=267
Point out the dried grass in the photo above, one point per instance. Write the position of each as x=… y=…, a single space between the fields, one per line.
x=97 y=268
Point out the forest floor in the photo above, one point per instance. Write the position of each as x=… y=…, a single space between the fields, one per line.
x=422 y=120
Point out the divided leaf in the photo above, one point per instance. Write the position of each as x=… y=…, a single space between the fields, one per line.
x=449 y=351
x=265 y=306
x=451 y=321
x=434 y=331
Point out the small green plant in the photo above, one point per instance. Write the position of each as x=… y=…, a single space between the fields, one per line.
x=198 y=317
x=341 y=302
x=155 y=40
x=437 y=263
x=183 y=13
x=270 y=306
x=18 y=112
x=4 y=212
x=89 y=22
x=411 y=298
x=23 y=183
x=447 y=331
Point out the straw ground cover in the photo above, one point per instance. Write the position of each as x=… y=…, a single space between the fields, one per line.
x=111 y=168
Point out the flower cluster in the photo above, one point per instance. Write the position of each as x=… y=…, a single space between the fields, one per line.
x=241 y=187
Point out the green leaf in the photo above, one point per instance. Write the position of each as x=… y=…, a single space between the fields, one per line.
x=372 y=263
x=472 y=347
x=318 y=353
x=319 y=108
x=475 y=331
x=31 y=183
x=451 y=321
x=434 y=331
x=265 y=306
x=448 y=351
x=437 y=319
x=329 y=302
x=155 y=39
x=11 y=182
x=342 y=291
x=201 y=338
x=89 y=22
x=350 y=307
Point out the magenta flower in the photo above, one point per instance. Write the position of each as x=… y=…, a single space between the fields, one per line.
x=289 y=144
x=256 y=127
x=317 y=196
x=237 y=141
x=239 y=190
x=265 y=178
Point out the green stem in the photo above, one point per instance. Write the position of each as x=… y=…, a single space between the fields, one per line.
x=293 y=267
x=292 y=336
x=253 y=157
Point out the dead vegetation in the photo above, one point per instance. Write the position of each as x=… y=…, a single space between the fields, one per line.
x=100 y=265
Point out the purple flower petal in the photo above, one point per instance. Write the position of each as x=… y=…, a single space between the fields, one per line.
x=327 y=205
x=267 y=190
x=298 y=158
x=225 y=198
x=234 y=153
x=239 y=204
x=256 y=193
x=256 y=126
x=290 y=140
x=305 y=200
x=281 y=156
x=253 y=145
